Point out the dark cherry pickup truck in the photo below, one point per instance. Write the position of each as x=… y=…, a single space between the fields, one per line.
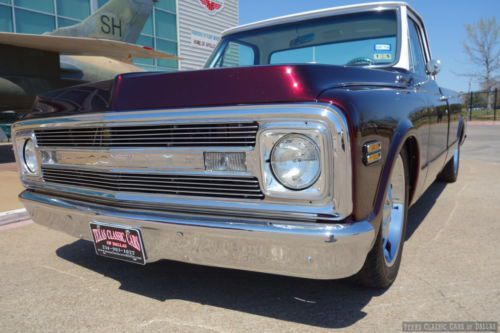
x=297 y=151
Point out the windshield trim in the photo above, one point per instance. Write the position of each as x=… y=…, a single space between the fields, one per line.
x=219 y=50
x=319 y=13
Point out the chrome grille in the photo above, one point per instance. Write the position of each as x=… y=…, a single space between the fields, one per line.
x=183 y=135
x=223 y=187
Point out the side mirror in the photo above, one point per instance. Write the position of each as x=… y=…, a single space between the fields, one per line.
x=433 y=67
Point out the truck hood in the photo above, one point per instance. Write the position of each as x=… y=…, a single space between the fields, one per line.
x=232 y=86
x=211 y=87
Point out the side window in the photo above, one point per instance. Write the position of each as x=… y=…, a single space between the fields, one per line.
x=417 y=52
x=237 y=55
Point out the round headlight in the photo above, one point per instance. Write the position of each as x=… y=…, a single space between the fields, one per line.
x=295 y=161
x=29 y=155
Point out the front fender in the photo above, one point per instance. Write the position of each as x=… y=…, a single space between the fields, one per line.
x=393 y=117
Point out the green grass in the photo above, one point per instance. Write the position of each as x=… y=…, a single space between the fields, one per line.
x=483 y=114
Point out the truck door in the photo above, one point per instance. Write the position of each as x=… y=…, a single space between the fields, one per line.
x=438 y=113
x=454 y=114
x=439 y=126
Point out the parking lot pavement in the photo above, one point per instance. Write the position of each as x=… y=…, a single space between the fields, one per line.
x=10 y=187
x=450 y=272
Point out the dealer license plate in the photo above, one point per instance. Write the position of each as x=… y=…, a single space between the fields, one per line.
x=118 y=242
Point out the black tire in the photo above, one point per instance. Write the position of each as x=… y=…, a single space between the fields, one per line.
x=375 y=272
x=450 y=171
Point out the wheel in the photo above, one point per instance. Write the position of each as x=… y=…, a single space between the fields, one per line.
x=382 y=263
x=450 y=170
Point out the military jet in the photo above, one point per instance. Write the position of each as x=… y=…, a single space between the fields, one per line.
x=98 y=48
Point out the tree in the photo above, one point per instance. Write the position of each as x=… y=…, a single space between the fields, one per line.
x=482 y=48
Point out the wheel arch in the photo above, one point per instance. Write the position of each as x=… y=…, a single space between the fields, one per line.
x=404 y=137
x=461 y=131
x=413 y=159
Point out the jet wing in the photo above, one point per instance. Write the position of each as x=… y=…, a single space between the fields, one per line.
x=83 y=46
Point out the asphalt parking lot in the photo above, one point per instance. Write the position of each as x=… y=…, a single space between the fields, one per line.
x=450 y=272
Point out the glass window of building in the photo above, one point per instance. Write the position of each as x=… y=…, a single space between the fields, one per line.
x=78 y=9
x=166 y=25
x=33 y=23
x=149 y=42
x=6 y=19
x=168 y=47
x=46 y=6
x=64 y=22
x=148 y=26
x=168 y=5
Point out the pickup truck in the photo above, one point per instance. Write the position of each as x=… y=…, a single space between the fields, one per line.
x=297 y=151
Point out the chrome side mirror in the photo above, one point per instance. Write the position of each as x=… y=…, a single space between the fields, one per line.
x=433 y=67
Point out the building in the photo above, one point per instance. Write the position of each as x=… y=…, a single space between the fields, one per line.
x=187 y=28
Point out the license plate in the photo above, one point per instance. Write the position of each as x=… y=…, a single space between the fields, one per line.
x=118 y=242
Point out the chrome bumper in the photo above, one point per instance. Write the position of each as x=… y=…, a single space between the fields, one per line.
x=318 y=251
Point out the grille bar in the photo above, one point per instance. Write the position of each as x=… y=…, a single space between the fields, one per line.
x=143 y=185
x=224 y=187
x=148 y=176
x=145 y=144
x=185 y=135
x=160 y=134
x=146 y=182
x=184 y=138
x=231 y=126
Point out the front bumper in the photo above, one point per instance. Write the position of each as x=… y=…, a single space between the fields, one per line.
x=310 y=250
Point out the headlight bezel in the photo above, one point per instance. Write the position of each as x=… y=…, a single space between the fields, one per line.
x=30 y=163
x=19 y=140
x=280 y=178
x=320 y=192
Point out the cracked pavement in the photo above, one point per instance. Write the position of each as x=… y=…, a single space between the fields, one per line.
x=450 y=272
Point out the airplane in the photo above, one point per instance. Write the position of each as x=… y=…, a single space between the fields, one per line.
x=98 y=48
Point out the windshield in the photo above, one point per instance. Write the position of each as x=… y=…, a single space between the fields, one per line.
x=361 y=39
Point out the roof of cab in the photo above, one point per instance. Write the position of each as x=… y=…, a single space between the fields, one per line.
x=317 y=14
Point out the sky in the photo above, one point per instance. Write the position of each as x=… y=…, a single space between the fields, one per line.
x=444 y=20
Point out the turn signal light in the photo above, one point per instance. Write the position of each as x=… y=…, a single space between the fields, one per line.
x=372 y=152
x=225 y=161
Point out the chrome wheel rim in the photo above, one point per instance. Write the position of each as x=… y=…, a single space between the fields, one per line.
x=394 y=215
x=455 y=160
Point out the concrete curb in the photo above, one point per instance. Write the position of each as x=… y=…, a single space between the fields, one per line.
x=13 y=216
